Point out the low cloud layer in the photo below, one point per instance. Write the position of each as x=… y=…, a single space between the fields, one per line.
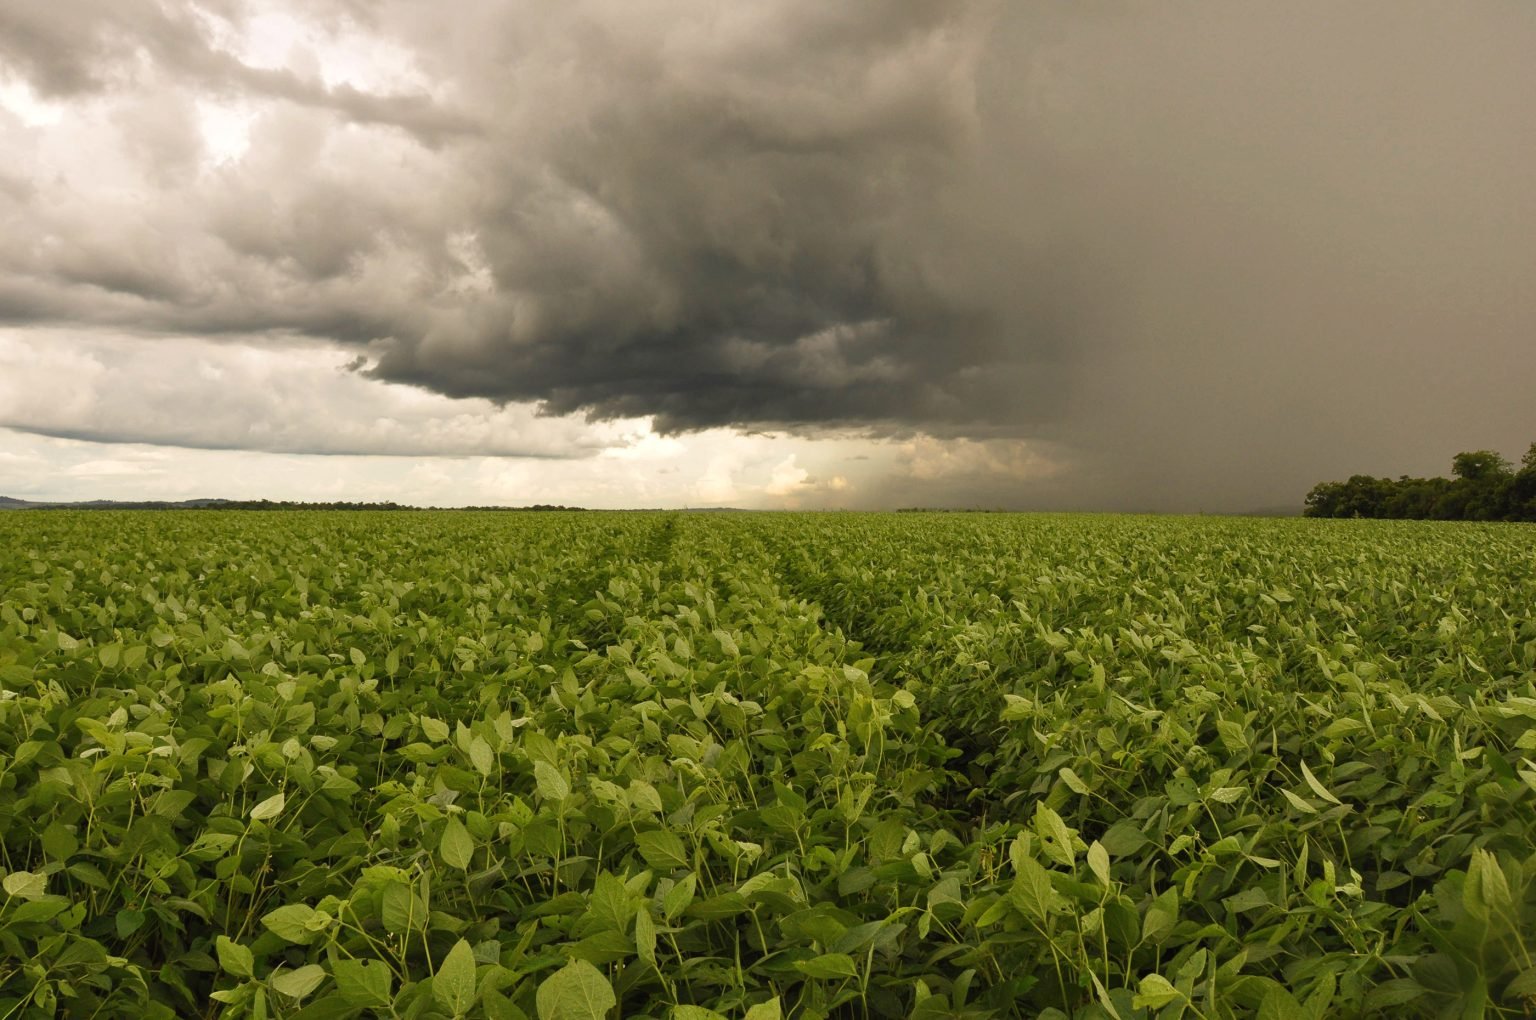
x=242 y=395
x=1202 y=254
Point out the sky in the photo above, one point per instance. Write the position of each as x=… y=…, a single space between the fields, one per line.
x=1055 y=254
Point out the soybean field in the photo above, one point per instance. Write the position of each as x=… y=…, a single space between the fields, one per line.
x=667 y=765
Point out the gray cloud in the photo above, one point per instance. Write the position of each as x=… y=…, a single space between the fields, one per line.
x=83 y=47
x=1209 y=253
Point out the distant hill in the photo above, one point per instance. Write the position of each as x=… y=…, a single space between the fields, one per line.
x=11 y=503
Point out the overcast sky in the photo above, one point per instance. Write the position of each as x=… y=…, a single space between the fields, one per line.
x=1094 y=254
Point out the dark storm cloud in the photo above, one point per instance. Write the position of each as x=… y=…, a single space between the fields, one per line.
x=1210 y=252
x=734 y=215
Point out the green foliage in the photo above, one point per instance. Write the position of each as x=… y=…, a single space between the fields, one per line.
x=1486 y=488
x=644 y=765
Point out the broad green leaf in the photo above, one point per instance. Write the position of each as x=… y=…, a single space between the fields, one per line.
x=296 y=984
x=269 y=808
x=1098 y=862
x=549 y=782
x=25 y=885
x=644 y=796
x=1162 y=914
x=294 y=923
x=577 y=991
x=1523 y=986
x=457 y=847
x=828 y=966
x=1279 y=1004
x=402 y=909
x=1056 y=838
x=453 y=986
x=769 y=1010
x=1074 y=781
x=1156 y=992
x=234 y=958
x=662 y=850
x=1032 y=891
x=679 y=896
x=364 y=983
x=481 y=756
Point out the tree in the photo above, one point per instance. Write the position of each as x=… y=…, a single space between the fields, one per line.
x=1480 y=465
x=1486 y=487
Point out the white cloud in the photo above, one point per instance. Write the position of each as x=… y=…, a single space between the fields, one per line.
x=787 y=478
x=17 y=97
x=288 y=398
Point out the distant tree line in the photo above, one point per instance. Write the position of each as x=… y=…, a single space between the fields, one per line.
x=252 y=504
x=269 y=504
x=1486 y=487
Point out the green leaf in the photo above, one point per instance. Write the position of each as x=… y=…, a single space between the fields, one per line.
x=294 y=923
x=234 y=958
x=1123 y=838
x=364 y=983
x=770 y=1010
x=457 y=847
x=402 y=910
x=1098 y=862
x=1279 y=1004
x=645 y=936
x=25 y=885
x=695 y=1013
x=269 y=808
x=1155 y=993
x=828 y=966
x=1317 y=788
x=1056 y=838
x=1032 y=891
x=1162 y=914
x=1298 y=803
x=435 y=730
x=1485 y=890
x=58 y=842
x=577 y=991
x=679 y=896
x=549 y=782
x=1523 y=986
x=481 y=756
x=662 y=850
x=298 y=983
x=32 y=911
x=644 y=796
x=453 y=986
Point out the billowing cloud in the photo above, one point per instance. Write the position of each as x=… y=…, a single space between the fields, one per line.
x=237 y=395
x=1179 y=256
